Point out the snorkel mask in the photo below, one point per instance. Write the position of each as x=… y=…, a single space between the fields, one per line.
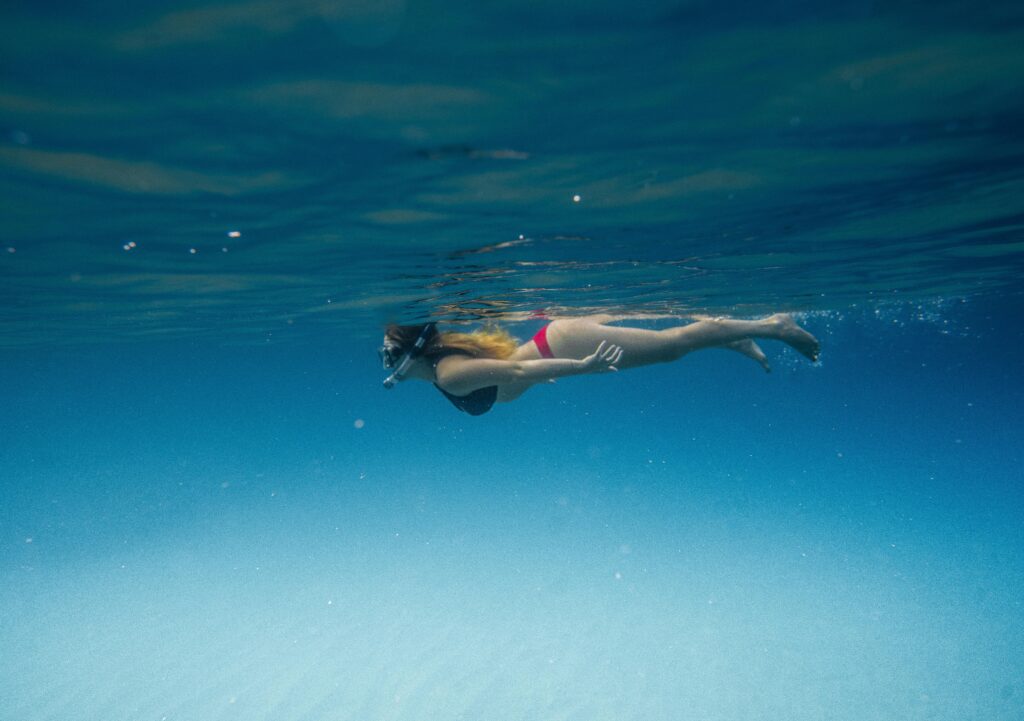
x=391 y=354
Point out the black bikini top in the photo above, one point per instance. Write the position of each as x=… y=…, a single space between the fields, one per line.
x=476 y=403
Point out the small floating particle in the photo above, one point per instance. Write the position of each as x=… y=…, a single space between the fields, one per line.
x=234 y=234
x=193 y=251
x=576 y=198
x=223 y=250
x=359 y=423
x=11 y=249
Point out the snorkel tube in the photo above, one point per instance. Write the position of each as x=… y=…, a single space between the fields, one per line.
x=428 y=332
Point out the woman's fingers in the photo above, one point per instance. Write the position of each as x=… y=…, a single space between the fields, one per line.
x=606 y=355
x=611 y=356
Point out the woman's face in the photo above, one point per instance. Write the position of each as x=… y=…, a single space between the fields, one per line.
x=390 y=352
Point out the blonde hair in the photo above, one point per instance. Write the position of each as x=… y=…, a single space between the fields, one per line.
x=491 y=341
x=488 y=342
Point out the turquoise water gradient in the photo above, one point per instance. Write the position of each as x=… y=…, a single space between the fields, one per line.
x=204 y=533
x=210 y=509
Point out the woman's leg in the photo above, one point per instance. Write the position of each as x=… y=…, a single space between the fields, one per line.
x=751 y=350
x=746 y=347
x=579 y=338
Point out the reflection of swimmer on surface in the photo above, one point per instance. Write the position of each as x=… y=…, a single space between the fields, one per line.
x=476 y=370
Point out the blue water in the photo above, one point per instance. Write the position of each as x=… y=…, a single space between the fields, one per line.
x=210 y=509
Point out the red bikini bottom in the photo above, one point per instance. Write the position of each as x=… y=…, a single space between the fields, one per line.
x=541 y=339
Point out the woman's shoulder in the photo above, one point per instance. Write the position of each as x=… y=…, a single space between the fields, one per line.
x=464 y=372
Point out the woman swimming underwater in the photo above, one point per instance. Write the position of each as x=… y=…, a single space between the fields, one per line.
x=476 y=370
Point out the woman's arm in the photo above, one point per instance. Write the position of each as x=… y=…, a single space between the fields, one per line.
x=460 y=375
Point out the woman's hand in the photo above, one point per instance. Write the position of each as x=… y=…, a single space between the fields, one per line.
x=601 y=360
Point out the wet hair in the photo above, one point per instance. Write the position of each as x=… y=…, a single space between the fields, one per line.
x=488 y=342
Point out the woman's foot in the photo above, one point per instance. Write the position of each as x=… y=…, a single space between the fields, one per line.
x=794 y=336
x=751 y=350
